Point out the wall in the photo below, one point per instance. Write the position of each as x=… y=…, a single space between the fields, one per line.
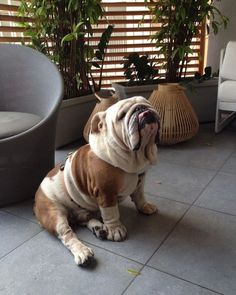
x=216 y=42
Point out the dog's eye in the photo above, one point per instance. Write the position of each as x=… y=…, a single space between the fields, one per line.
x=121 y=115
x=100 y=124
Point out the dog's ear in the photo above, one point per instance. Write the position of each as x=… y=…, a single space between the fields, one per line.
x=97 y=122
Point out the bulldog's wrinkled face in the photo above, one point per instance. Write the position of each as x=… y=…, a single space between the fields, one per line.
x=131 y=124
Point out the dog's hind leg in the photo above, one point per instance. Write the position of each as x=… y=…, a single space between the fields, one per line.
x=97 y=228
x=54 y=219
x=86 y=218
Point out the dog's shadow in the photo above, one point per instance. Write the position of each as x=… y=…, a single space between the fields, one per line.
x=91 y=265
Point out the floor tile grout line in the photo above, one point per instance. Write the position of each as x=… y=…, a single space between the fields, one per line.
x=183 y=279
x=203 y=189
x=160 y=245
x=131 y=282
x=187 y=166
x=25 y=241
x=168 y=234
x=22 y=217
x=226 y=160
x=190 y=204
x=122 y=256
x=181 y=218
x=194 y=166
x=217 y=172
x=176 y=224
x=214 y=210
x=110 y=251
x=191 y=166
x=166 y=198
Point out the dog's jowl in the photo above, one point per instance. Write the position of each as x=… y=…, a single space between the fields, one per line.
x=122 y=145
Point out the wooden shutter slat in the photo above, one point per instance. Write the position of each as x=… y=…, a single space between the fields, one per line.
x=120 y=4
x=126 y=18
x=120 y=69
x=14 y=18
x=127 y=13
x=12 y=29
x=14 y=39
x=7 y=7
x=127 y=30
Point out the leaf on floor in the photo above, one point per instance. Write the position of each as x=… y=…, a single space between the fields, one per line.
x=133 y=272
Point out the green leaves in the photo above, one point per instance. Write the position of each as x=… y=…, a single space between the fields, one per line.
x=76 y=28
x=180 y=21
x=181 y=51
x=59 y=30
x=69 y=37
x=139 y=69
x=215 y=26
x=74 y=34
x=103 y=43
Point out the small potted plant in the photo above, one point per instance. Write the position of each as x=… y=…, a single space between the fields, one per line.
x=62 y=30
x=141 y=74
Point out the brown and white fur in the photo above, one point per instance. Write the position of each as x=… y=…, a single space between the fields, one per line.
x=98 y=175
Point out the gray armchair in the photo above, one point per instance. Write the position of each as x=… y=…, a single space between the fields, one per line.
x=31 y=90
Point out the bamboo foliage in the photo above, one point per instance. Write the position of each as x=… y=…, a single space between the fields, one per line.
x=181 y=21
x=62 y=30
x=131 y=33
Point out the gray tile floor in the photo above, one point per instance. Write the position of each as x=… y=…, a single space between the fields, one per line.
x=189 y=248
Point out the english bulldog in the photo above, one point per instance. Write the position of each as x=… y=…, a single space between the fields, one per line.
x=97 y=176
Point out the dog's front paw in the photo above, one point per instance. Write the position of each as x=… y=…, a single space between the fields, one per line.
x=83 y=255
x=116 y=232
x=148 y=208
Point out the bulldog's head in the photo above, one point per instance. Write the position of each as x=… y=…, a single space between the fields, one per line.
x=126 y=131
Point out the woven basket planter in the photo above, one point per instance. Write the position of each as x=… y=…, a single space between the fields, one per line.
x=102 y=104
x=178 y=119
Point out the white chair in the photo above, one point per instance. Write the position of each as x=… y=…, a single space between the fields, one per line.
x=226 y=98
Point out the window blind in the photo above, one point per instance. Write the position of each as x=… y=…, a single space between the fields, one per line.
x=132 y=31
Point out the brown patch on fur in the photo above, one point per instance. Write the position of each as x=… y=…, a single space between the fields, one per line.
x=68 y=235
x=53 y=172
x=46 y=211
x=96 y=177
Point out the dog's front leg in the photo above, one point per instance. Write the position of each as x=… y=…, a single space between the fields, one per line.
x=116 y=231
x=139 y=199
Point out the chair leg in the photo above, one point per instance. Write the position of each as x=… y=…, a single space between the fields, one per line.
x=221 y=123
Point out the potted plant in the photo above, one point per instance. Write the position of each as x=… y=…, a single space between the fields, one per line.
x=181 y=22
x=62 y=30
x=142 y=75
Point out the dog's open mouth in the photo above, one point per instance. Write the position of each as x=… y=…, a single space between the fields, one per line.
x=138 y=120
